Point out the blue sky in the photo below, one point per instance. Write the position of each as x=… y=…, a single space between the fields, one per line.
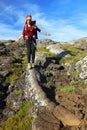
x=65 y=20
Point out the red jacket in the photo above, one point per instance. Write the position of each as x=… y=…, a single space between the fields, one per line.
x=30 y=31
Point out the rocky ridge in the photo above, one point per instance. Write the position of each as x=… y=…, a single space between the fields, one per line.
x=58 y=110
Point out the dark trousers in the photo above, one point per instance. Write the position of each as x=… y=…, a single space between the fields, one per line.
x=31 y=47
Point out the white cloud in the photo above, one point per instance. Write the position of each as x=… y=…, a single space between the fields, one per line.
x=7 y=32
x=60 y=29
x=63 y=30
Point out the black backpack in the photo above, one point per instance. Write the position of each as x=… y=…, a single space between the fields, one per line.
x=33 y=23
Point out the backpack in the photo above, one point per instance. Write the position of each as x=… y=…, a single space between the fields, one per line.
x=33 y=23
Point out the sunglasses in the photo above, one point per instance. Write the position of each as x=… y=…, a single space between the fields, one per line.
x=28 y=19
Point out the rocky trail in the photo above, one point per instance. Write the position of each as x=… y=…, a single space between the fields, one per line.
x=54 y=109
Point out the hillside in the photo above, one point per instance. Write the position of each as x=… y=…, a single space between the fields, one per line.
x=51 y=96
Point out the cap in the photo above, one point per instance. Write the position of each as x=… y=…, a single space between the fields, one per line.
x=28 y=17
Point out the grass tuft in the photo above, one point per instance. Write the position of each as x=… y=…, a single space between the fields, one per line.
x=68 y=89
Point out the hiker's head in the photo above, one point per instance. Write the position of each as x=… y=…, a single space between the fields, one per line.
x=28 y=18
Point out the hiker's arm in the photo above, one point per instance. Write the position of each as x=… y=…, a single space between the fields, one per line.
x=19 y=38
x=45 y=33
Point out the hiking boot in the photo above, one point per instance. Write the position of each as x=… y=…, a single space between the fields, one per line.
x=32 y=65
x=29 y=66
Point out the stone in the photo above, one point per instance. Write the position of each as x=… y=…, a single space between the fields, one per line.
x=66 y=116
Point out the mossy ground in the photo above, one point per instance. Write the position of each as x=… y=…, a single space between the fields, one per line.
x=75 y=54
x=46 y=51
x=19 y=121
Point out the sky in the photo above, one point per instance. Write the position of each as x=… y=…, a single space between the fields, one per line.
x=65 y=20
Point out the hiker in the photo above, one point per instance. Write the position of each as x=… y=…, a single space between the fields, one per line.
x=29 y=34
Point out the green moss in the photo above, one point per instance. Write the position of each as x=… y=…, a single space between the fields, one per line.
x=77 y=83
x=20 y=121
x=19 y=92
x=74 y=74
x=1 y=57
x=10 y=78
x=85 y=83
x=71 y=49
x=41 y=49
x=16 y=73
x=46 y=52
x=18 y=60
x=75 y=54
x=16 y=69
x=68 y=89
x=73 y=58
x=24 y=60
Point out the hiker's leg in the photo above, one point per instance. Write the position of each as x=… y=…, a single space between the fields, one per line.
x=28 y=45
x=33 y=46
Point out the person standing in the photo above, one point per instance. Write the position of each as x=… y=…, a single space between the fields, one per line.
x=29 y=34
